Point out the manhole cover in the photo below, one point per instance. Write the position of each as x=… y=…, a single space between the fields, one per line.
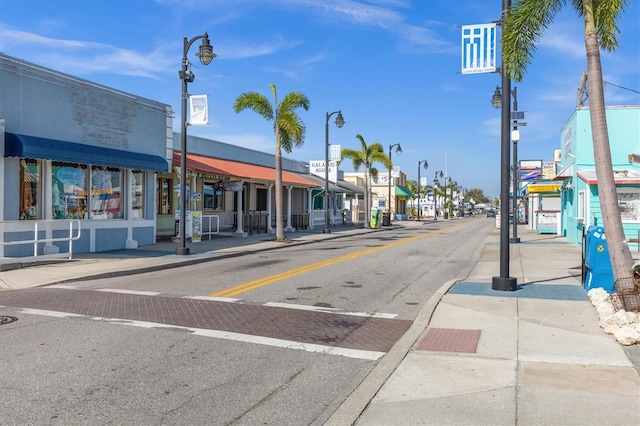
x=4 y=319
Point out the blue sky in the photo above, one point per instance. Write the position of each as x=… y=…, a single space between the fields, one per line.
x=391 y=66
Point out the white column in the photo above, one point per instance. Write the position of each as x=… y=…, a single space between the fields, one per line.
x=289 y=227
x=310 y=206
x=269 y=212
x=47 y=206
x=239 y=230
x=128 y=210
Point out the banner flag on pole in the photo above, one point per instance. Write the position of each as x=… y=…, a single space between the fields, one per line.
x=479 y=48
x=199 y=110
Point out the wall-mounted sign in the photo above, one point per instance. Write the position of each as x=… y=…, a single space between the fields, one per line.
x=543 y=187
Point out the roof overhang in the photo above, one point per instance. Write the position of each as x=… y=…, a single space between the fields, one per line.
x=621 y=177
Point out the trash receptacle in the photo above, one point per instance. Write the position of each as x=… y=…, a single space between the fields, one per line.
x=386 y=219
x=596 y=260
x=375 y=218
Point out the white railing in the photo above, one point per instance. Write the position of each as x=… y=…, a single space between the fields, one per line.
x=24 y=225
x=206 y=220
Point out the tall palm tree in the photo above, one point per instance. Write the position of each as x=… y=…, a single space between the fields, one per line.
x=523 y=27
x=366 y=157
x=289 y=131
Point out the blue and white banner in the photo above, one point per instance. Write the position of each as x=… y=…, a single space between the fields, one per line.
x=199 y=111
x=479 y=48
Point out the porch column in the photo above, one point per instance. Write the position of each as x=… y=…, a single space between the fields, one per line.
x=239 y=212
x=269 y=212
x=289 y=198
x=310 y=206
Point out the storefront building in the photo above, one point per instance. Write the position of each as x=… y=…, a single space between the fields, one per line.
x=75 y=153
x=580 y=203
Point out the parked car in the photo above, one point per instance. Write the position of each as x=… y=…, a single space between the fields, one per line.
x=491 y=213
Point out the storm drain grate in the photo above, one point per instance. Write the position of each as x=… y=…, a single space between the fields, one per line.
x=4 y=319
x=450 y=340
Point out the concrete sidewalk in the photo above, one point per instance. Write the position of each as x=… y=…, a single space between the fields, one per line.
x=535 y=356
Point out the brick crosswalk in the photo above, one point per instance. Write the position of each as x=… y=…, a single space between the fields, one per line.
x=302 y=326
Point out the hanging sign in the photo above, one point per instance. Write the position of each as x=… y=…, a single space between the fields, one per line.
x=199 y=110
x=479 y=48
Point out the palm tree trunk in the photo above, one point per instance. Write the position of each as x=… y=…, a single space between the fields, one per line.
x=619 y=253
x=279 y=225
x=367 y=198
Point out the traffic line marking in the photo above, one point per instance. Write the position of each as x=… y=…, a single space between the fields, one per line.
x=226 y=335
x=264 y=281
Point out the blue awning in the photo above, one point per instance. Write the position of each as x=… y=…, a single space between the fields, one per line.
x=22 y=146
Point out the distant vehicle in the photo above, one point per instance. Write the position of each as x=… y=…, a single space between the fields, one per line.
x=491 y=213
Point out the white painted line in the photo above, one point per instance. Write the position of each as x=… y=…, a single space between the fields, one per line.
x=49 y=313
x=226 y=335
x=330 y=310
x=215 y=299
x=122 y=291
x=63 y=286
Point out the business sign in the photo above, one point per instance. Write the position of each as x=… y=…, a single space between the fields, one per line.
x=530 y=170
x=543 y=187
x=317 y=168
x=235 y=186
x=479 y=48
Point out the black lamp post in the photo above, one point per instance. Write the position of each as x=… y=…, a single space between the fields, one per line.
x=504 y=282
x=426 y=166
x=399 y=152
x=435 y=194
x=515 y=137
x=206 y=55
x=339 y=124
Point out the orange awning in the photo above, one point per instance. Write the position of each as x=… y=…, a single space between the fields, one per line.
x=240 y=170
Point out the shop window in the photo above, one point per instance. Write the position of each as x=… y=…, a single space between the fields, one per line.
x=163 y=196
x=213 y=196
x=30 y=189
x=261 y=199
x=582 y=205
x=137 y=194
x=106 y=193
x=629 y=202
x=69 y=191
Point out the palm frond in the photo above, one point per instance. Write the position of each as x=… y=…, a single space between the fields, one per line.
x=606 y=14
x=255 y=101
x=523 y=27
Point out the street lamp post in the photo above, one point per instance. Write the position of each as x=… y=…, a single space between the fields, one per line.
x=504 y=282
x=435 y=194
x=399 y=152
x=426 y=165
x=339 y=124
x=515 y=137
x=206 y=55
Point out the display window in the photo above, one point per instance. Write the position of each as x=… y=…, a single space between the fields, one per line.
x=137 y=192
x=69 y=191
x=30 y=189
x=164 y=199
x=106 y=193
x=213 y=195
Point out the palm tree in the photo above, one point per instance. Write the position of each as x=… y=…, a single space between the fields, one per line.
x=289 y=131
x=366 y=157
x=523 y=27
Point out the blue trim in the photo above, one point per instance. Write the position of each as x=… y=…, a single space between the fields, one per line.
x=22 y=146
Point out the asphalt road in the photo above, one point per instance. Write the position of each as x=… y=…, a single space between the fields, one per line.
x=279 y=337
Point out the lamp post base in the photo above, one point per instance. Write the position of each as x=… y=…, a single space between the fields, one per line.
x=514 y=240
x=182 y=251
x=504 y=284
x=326 y=231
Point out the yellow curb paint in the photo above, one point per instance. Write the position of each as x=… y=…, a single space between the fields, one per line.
x=264 y=281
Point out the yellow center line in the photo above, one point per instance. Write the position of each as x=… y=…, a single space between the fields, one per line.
x=264 y=281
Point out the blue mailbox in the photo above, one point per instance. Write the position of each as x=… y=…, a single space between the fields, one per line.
x=596 y=260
